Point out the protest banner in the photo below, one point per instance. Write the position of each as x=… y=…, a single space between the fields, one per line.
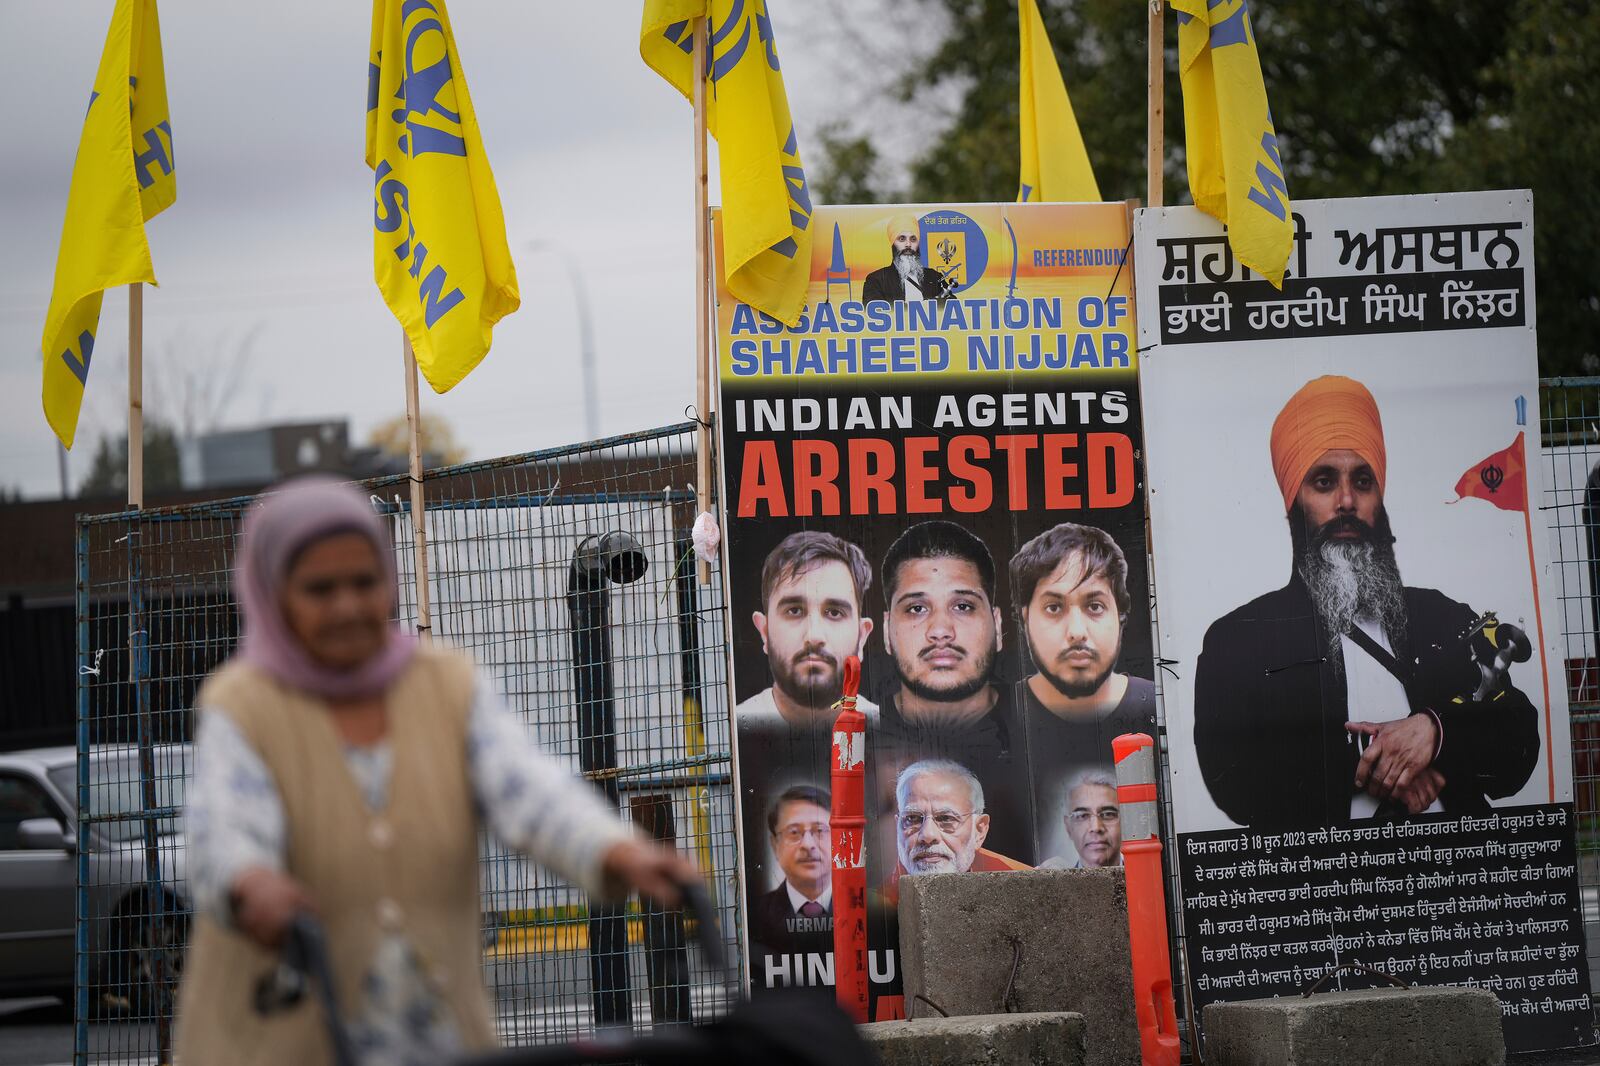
x=927 y=440
x=1367 y=725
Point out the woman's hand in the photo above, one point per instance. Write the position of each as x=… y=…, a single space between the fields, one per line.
x=649 y=869
x=265 y=902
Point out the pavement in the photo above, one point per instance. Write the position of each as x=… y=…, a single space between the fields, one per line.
x=38 y=1032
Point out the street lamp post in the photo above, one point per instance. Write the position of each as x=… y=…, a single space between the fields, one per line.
x=580 y=299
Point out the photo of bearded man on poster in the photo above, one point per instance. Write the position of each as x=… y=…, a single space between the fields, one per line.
x=906 y=277
x=1347 y=694
x=942 y=824
x=811 y=620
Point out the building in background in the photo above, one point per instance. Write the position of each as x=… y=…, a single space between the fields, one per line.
x=38 y=653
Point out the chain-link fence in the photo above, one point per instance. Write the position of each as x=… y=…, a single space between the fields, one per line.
x=568 y=574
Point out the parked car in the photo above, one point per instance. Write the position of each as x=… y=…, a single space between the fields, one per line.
x=136 y=911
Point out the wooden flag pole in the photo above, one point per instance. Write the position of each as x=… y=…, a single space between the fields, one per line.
x=419 y=529
x=702 y=274
x=135 y=396
x=1155 y=116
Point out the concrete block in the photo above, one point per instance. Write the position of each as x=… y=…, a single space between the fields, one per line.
x=1375 y=1027
x=1054 y=1039
x=960 y=935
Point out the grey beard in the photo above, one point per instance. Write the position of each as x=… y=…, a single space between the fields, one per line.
x=1350 y=580
x=910 y=268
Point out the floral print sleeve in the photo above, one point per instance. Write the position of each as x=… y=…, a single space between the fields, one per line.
x=233 y=815
x=531 y=801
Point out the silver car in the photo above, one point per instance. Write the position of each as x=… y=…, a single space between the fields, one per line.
x=136 y=909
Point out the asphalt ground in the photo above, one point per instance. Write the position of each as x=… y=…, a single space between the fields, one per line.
x=38 y=1032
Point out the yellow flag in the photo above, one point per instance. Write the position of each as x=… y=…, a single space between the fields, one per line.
x=1235 y=173
x=766 y=210
x=123 y=176
x=439 y=238
x=1055 y=164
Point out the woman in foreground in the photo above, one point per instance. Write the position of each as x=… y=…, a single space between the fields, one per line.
x=344 y=768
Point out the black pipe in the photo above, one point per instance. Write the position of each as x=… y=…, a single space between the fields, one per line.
x=666 y=947
x=598 y=563
x=666 y=944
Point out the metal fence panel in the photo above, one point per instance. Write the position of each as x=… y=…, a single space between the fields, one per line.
x=648 y=725
x=1570 y=425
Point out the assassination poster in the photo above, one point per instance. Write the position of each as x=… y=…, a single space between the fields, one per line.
x=938 y=470
x=1367 y=714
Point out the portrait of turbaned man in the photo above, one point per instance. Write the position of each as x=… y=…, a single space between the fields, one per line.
x=908 y=276
x=1347 y=693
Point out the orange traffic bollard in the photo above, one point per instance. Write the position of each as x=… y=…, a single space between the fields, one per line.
x=848 y=820
x=1135 y=755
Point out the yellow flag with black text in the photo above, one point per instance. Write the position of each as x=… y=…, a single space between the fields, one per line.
x=439 y=238
x=124 y=175
x=766 y=205
x=1235 y=171
x=1055 y=164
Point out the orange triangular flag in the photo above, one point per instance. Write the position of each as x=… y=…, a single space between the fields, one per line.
x=1502 y=479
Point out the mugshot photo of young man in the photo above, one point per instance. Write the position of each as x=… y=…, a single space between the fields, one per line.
x=943 y=637
x=810 y=620
x=1071 y=587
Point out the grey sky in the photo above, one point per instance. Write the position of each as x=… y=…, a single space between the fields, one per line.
x=271 y=236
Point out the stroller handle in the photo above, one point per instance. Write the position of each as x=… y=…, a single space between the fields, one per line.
x=302 y=964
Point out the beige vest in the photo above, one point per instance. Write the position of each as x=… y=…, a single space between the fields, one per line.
x=412 y=868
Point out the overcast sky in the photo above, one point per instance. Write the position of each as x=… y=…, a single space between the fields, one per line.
x=268 y=249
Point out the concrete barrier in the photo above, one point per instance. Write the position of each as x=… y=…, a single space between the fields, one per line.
x=1064 y=931
x=1048 y=1039
x=1375 y=1027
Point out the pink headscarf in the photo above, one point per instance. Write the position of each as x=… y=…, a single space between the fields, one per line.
x=276 y=530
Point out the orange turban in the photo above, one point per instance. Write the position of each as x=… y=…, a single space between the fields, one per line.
x=1329 y=413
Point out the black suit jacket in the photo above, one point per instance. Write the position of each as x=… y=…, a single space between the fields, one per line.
x=1269 y=713
x=886 y=284
x=772 y=917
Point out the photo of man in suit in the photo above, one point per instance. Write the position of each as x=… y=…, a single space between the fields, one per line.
x=1346 y=693
x=797 y=828
x=906 y=277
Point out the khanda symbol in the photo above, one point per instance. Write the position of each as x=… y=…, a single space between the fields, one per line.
x=946 y=249
x=1492 y=476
